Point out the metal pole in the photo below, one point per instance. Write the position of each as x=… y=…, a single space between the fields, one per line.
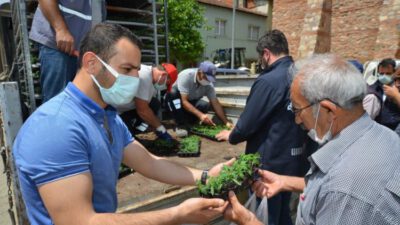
x=11 y=119
x=155 y=32
x=166 y=30
x=26 y=55
x=233 y=34
x=97 y=12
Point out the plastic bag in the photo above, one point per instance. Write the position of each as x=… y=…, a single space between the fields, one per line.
x=261 y=211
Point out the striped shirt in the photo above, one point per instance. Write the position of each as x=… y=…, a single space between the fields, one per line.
x=354 y=178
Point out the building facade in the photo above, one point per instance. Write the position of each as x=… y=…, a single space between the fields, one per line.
x=250 y=24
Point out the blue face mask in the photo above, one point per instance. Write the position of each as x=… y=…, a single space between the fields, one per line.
x=385 y=79
x=122 y=91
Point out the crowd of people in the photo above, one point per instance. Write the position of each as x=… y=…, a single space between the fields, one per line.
x=319 y=128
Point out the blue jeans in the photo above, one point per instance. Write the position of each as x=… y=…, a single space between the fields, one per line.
x=56 y=70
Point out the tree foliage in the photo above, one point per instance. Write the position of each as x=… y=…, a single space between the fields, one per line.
x=185 y=19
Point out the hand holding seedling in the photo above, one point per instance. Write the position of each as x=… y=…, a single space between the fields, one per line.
x=269 y=184
x=200 y=210
x=238 y=214
x=223 y=135
x=214 y=171
x=204 y=119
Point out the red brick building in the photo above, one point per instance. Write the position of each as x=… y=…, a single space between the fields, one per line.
x=357 y=29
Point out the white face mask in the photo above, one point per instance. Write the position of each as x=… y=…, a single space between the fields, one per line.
x=160 y=87
x=203 y=82
x=313 y=132
x=122 y=91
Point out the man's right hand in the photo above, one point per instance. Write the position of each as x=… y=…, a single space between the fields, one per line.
x=206 y=120
x=269 y=185
x=200 y=210
x=65 y=41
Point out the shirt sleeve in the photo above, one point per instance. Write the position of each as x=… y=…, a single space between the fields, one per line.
x=372 y=105
x=146 y=90
x=262 y=101
x=211 y=93
x=334 y=208
x=55 y=151
x=183 y=83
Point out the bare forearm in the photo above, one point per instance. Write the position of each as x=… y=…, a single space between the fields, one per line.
x=157 y=168
x=189 y=107
x=168 y=170
x=149 y=117
x=53 y=15
x=293 y=184
x=219 y=110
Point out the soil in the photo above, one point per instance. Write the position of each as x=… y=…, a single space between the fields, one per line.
x=135 y=187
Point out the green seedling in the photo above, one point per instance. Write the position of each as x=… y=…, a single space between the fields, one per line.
x=231 y=177
x=190 y=144
x=209 y=131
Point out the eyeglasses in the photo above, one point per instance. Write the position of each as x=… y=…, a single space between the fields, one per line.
x=298 y=110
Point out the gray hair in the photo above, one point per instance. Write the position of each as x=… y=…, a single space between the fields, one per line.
x=327 y=76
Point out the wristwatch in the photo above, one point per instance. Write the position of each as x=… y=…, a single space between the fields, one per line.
x=204 y=176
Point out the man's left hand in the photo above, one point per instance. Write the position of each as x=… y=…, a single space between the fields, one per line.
x=213 y=172
x=223 y=135
x=238 y=213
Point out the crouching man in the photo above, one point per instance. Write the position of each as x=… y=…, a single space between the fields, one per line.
x=184 y=101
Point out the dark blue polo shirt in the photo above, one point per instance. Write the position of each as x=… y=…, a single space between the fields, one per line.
x=268 y=124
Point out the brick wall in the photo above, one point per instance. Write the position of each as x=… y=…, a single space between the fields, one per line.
x=357 y=29
x=288 y=16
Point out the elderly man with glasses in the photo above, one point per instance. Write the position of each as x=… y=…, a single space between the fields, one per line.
x=355 y=175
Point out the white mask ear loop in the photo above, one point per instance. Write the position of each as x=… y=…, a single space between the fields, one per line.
x=316 y=119
x=109 y=68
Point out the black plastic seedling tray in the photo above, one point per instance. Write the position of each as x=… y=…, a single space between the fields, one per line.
x=195 y=153
x=212 y=138
x=235 y=178
x=194 y=130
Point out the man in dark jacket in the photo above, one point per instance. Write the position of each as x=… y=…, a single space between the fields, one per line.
x=382 y=101
x=267 y=122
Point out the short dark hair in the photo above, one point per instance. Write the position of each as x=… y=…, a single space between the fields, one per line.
x=387 y=62
x=102 y=38
x=275 y=41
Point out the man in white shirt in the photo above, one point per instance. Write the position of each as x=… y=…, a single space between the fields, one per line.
x=142 y=112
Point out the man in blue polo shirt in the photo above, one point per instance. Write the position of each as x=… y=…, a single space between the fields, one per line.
x=69 y=151
x=267 y=122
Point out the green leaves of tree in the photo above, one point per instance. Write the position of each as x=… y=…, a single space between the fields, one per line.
x=185 y=18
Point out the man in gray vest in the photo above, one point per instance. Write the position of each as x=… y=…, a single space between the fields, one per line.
x=58 y=27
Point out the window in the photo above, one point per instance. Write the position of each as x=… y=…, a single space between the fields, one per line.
x=220 y=27
x=254 y=32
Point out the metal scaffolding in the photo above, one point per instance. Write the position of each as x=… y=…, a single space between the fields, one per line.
x=22 y=57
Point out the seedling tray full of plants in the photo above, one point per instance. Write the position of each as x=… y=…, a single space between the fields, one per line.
x=208 y=132
x=189 y=146
x=235 y=178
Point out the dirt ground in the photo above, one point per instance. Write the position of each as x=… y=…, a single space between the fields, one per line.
x=135 y=188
